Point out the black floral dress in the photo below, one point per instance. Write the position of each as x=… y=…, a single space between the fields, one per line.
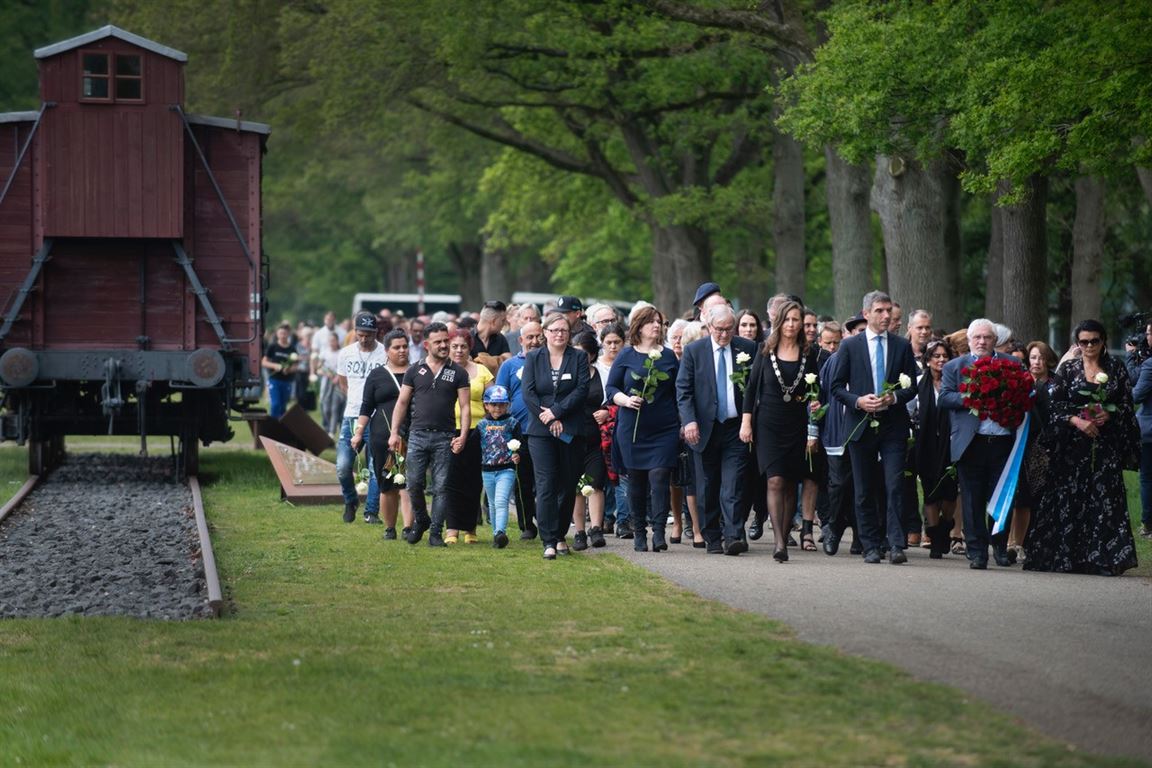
x=1082 y=524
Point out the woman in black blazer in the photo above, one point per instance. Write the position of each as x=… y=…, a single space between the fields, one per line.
x=555 y=385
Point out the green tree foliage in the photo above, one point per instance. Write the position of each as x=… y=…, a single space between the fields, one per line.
x=1019 y=87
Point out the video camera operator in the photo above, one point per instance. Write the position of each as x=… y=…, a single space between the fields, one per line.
x=1138 y=344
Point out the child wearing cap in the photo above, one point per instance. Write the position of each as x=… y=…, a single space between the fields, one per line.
x=500 y=439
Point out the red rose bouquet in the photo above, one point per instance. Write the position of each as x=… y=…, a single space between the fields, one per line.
x=997 y=389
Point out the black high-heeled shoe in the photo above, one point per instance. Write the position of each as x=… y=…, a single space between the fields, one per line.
x=780 y=555
x=673 y=539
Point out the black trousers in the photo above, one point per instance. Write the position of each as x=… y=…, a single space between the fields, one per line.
x=526 y=487
x=841 y=495
x=557 y=466
x=979 y=470
x=870 y=525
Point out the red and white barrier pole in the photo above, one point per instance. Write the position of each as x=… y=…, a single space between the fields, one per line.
x=419 y=282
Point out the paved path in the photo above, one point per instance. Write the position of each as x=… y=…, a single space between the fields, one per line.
x=1069 y=655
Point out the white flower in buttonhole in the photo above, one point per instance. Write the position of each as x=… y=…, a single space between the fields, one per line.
x=744 y=357
x=809 y=378
x=905 y=381
x=1101 y=378
x=655 y=354
x=513 y=445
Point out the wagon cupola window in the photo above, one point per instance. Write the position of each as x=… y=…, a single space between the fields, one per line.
x=111 y=76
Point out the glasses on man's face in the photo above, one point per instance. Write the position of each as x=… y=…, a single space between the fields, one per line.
x=557 y=331
x=724 y=330
x=1087 y=342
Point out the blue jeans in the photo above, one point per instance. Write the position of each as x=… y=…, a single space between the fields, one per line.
x=428 y=451
x=279 y=393
x=622 y=509
x=346 y=462
x=498 y=485
x=1146 y=484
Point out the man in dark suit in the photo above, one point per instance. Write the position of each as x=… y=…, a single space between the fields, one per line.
x=710 y=404
x=874 y=378
x=980 y=448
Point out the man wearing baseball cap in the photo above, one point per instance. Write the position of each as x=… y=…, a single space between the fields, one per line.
x=356 y=361
x=573 y=309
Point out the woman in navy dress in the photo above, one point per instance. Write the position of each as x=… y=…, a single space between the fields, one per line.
x=647 y=431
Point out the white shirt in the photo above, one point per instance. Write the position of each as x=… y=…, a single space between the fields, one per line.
x=729 y=393
x=987 y=426
x=872 y=337
x=355 y=365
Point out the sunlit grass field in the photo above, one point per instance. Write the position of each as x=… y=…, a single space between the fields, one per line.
x=338 y=648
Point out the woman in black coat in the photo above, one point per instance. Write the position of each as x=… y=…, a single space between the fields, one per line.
x=554 y=385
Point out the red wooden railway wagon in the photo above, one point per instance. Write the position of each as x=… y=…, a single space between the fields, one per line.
x=131 y=271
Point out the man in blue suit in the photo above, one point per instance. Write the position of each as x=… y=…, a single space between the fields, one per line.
x=874 y=378
x=710 y=404
x=980 y=448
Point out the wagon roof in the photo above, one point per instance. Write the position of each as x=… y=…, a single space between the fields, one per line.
x=227 y=122
x=18 y=117
x=110 y=31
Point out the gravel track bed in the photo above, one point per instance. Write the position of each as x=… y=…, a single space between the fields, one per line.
x=104 y=535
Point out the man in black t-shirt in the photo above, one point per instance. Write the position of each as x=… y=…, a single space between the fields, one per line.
x=435 y=388
x=488 y=335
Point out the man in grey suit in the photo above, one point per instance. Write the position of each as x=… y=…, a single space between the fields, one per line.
x=710 y=404
x=874 y=378
x=980 y=448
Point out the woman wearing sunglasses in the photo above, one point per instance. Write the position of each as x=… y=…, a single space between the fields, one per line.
x=1082 y=523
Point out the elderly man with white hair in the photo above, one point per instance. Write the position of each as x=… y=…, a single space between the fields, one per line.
x=710 y=402
x=980 y=448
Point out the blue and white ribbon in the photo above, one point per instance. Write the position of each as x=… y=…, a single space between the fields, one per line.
x=1001 y=502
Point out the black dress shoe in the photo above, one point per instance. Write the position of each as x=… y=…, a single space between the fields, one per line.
x=624 y=530
x=1000 y=555
x=780 y=555
x=831 y=541
x=872 y=556
x=528 y=534
x=659 y=543
x=755 y=531
x=978 y=565
x=857 y=548
x=897 y=557
x=735 y=547
x=350 y=512
x=715 y=547
x=416 y=533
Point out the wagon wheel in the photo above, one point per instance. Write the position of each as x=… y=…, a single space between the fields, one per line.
x=189 y=457
x=45 y=455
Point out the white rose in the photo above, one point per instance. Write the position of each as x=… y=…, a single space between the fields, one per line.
x=587 y=490
x=809 y=378
x=1101 y=378
x=655 y=354
x=362 y=487
x=744 y=357
x=398 y=478
x=513 y=445
x=905 y=381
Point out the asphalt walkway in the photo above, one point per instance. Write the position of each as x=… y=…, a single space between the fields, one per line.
x=1068 y=655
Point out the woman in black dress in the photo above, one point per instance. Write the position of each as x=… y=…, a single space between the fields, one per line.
x=1042 y=363
x=933 y=450
x=1082 y=524
x=592 y=466
x=381 y=390
x=775 y=402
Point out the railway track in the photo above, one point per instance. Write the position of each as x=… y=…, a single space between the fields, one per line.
x=107 y=534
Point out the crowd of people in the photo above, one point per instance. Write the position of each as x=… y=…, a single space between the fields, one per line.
x=589 y=423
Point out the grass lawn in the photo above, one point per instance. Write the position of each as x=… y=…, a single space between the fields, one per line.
x=339 y=648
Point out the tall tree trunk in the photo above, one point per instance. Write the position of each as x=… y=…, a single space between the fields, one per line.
x=949 y=311
x=1026 y=261
x=1145 y=176
x=467 y=259
x=494 y=282
x=910 y=201
x=754 y=285
x=1087 y=247
x=788 y=214
x=681 y=261
x=994 y=266
x=850 y=219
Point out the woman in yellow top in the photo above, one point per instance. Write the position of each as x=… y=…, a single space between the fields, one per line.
x=465 y=481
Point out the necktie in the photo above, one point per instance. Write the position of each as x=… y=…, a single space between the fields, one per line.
x=879 y=367
x=722 y=387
